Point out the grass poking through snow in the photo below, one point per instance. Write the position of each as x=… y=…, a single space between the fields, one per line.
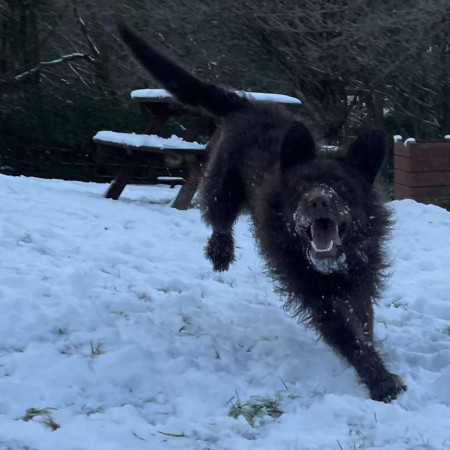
x=44 y=415
x=174 y=435
x=255 y=408
x=96 y=350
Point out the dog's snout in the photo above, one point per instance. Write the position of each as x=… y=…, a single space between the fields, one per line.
x=320 y=205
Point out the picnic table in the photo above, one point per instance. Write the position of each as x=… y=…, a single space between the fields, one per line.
x=183 y=151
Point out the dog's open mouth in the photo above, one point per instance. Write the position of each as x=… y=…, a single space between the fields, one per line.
x=325 y=236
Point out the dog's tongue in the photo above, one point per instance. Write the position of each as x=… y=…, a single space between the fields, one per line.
x=324 y=235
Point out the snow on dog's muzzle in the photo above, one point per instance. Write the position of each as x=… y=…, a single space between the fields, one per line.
x=322 y=219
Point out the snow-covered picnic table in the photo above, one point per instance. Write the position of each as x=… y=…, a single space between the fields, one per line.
x=161 y=95
x=180 y=152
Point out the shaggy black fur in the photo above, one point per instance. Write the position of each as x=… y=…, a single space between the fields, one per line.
x=316 y=216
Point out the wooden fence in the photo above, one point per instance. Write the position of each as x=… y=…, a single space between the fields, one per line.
x=422 y=171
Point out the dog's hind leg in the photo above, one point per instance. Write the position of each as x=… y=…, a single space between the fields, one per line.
x=223 y=195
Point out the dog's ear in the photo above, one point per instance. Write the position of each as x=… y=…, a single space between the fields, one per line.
x=367 y=153
x=297 y=146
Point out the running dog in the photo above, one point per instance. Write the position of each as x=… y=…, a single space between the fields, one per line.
x=318 y=221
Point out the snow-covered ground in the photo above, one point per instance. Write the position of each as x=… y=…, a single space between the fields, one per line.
x=115 y=334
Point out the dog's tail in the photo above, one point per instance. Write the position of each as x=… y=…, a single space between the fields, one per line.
x=185 y=87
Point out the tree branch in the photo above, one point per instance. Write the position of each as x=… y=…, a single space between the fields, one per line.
x=62 y=59
x=86 y=35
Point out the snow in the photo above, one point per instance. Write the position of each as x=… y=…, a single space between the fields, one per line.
x=147 y=140
x=329 y=148
x=170 y=178
x=409 y=141
x=113 y=321
x=267 y=97
x=152 y=94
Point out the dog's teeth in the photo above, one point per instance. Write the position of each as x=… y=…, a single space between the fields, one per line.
x=322 y=250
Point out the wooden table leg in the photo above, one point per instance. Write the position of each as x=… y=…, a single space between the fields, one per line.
x=189 y=187
x=159 y=115
x=126 y=173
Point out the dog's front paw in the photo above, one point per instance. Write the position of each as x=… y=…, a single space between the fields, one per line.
x=220 y=250
x=388 y=388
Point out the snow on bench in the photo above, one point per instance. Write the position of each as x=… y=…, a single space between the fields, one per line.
x=147 y=142
x=171 y=181
x=159 y=95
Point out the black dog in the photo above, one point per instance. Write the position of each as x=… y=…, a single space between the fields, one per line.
x=318 y=221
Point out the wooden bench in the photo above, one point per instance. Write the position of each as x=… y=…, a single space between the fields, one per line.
x=179 y=152
x=171 y=181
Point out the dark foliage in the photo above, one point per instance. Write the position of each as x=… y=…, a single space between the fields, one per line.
x=351 y=64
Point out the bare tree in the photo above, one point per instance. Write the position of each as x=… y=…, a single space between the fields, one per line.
x=345 y=56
